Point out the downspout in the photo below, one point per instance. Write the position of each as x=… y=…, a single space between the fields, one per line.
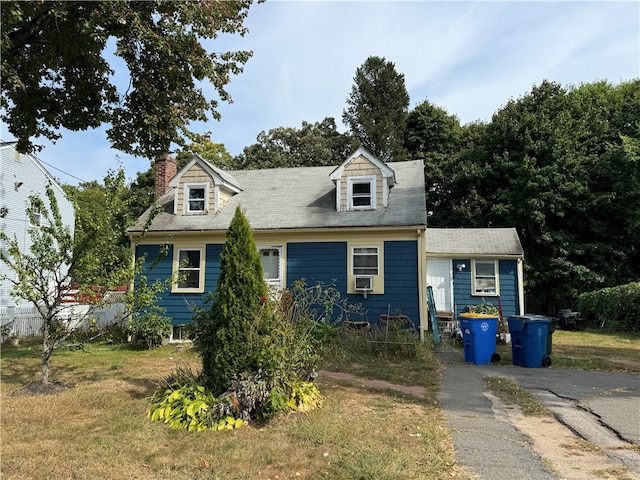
x=422 y=280
x=521 y=285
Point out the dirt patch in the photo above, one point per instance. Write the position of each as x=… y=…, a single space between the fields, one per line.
x=414 y=391
x=567 y=455
x=39 y=388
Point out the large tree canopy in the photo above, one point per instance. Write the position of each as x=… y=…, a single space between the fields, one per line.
x=559 y=165
x=54 y=73
x=314 y=144
x=377 y=108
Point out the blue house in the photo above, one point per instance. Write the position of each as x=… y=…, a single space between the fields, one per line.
x=359 y=227
x=469 y=266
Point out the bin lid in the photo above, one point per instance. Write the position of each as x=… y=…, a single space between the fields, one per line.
x=477 y=315
x=519 y=323
x=516 y=324
x=536 y=318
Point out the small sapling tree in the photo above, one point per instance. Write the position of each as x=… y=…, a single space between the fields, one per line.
x=44 y=273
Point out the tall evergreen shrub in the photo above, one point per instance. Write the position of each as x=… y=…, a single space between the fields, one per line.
x=222 y=332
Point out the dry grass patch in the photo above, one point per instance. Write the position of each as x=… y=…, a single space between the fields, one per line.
x=590 y=350
x=99 y=429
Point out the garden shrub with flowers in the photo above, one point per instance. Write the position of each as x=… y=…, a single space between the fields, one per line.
x=259 y=355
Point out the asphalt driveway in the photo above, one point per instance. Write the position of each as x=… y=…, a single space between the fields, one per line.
x=601 y=407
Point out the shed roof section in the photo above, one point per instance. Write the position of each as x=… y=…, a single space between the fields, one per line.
x=473 y=241
x=299 y=198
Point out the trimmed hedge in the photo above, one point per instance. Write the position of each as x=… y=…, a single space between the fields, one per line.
x=616 y=309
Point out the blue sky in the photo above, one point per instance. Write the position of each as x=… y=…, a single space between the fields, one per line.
x=469 y=58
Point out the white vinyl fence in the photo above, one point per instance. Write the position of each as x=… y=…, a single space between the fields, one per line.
x=22 y=322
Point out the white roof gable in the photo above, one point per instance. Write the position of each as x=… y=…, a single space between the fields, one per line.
x=387 y=173
x=219 y=176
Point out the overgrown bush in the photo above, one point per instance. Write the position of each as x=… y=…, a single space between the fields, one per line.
x=258 y=353
x=151 y=328
x=616 y=309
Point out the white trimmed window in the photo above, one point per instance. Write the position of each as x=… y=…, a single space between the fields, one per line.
x=190 y=269
x=271 y=258
x=195 y=198
x=365 y=260
x=361 y=192
x=37 y=215
x=485 y=277
x=179 y=333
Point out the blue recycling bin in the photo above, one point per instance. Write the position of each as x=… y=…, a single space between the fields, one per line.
x=479 y=337
x=531 y=339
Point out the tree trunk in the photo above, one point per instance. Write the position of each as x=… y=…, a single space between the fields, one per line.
x=47 y=350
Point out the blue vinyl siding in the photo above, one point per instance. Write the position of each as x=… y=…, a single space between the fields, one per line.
x=509 y=288
x=178 y=305
x=400 y=283
x=508 y=274
x=326 y=262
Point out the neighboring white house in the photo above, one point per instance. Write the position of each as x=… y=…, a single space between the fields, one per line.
x=22 y=176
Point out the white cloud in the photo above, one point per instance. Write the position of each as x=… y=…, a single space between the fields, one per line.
x=469 y=58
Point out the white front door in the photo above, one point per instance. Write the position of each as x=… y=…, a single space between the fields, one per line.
x=440 y=278
x=271 y=257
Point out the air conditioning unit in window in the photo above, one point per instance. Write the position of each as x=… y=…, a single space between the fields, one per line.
x=364 y=283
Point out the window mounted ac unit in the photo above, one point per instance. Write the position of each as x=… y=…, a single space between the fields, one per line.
x=364 y=283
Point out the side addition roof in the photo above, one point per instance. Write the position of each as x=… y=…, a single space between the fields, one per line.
x=473 y=242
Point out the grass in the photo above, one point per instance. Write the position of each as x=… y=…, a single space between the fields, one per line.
x=510 y=392
x=99 y=429
x=590 y=350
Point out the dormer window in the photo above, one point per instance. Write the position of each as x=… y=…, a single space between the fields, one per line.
x=202 y=189
x=362 y=183
x=196 y=196
x=361 y=192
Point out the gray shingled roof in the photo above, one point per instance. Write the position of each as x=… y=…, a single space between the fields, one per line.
x=473 y=241
x=300 y=198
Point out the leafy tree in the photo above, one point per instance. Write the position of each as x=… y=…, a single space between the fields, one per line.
x=215 y=153
x=377 y=108
x=100 y=239
x=141 y=193
x=222 y=330
x=45 y=273
x=453 y=182
x=554 y=165
x=435 y=136
x=314 y=144
x=54 y=73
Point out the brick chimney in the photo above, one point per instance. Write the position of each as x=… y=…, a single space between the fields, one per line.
x=166 y=168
